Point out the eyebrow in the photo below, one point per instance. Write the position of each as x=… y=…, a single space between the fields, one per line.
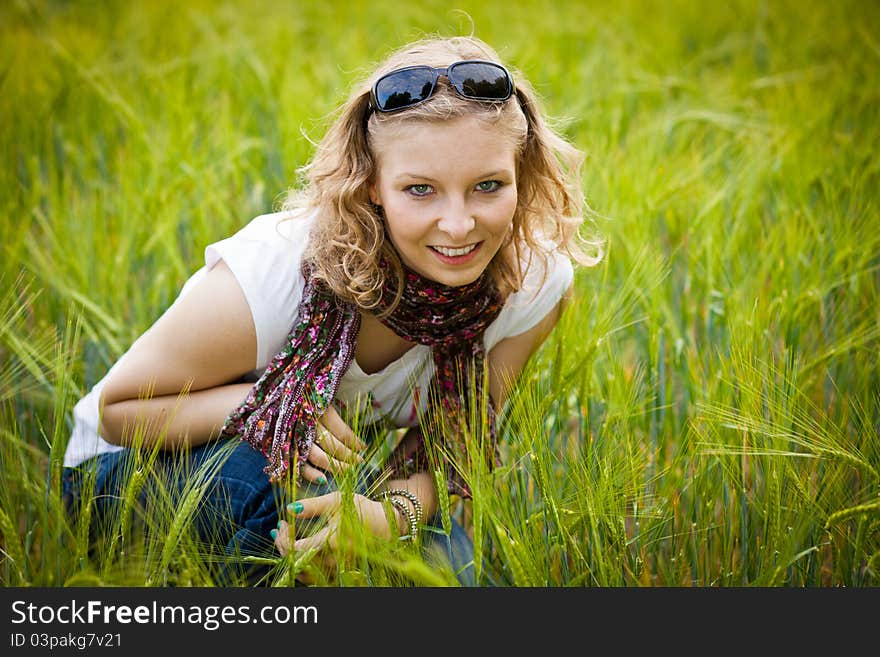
x=414 y=175
x=419 y=176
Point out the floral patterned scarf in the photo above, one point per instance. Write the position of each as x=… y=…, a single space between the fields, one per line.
x=282 y=410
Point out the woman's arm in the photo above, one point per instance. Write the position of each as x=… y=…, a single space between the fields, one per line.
x=201 y=346
x=508 y=358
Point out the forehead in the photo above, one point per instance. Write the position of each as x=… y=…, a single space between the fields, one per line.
x=462 y=144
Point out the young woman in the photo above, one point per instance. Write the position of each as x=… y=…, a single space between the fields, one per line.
x=431 y=244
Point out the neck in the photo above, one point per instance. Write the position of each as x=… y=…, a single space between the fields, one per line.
x=378 y=346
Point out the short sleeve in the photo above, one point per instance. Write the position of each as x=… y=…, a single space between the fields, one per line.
x=265 y=258
x=537 y=297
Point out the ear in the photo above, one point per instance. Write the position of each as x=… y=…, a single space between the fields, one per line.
x=375 y=199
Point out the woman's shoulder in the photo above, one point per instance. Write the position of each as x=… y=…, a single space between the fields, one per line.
x=543 y=273
x=265 y=242
x=265 y=257
x=277 y=228
x=546 y=277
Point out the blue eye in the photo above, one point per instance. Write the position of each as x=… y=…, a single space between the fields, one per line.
x=489 y=186
x=419 y=190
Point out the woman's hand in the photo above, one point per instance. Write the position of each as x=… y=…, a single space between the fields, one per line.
x=370 y=513
x=336 y=448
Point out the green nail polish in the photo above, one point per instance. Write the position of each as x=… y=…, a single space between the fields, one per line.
x=321 y=481
x=273 y=534
x=278 y=525
x=298 y=507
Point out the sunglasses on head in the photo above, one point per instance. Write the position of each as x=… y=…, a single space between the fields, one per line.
x=471 y=78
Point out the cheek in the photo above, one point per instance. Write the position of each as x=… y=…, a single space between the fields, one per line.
x=506 y=210
x=407 y=215
x=403 y=223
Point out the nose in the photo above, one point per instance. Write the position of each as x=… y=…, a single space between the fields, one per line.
x=456 y=221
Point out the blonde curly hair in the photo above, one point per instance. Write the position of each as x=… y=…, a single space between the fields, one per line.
x=348 y=240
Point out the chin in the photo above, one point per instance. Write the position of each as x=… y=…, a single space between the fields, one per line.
x=456 y=279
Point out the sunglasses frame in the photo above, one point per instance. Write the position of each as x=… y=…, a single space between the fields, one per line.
x=437 y=72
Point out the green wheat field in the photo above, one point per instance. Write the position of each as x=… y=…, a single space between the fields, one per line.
x=707 y=412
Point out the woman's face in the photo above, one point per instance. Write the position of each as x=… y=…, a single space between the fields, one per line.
x=448 y=190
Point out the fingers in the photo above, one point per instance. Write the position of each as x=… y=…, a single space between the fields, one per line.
x=309 y=507
x=312 y=474
x=334 y=447
x=283 y=542
x=320 y=459
x=344 y=439
x=282 y=537
x=315 y=541
x=319 y=505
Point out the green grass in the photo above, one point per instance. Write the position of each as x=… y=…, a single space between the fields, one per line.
x=708 y=411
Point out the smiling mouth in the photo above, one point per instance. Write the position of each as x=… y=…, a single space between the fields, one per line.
x=455 y=253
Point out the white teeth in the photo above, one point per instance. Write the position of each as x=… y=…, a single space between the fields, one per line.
x=452 y=253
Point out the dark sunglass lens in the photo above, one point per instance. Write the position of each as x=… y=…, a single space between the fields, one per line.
x=484 y=81
x=404 y=88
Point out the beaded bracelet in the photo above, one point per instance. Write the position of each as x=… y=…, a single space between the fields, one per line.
x=413 y=517
x=402 y=492
x=410 y=517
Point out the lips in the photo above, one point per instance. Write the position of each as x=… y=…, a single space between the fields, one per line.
x=460 y=256
x=450 y=252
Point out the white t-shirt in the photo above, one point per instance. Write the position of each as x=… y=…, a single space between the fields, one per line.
x=265 y=258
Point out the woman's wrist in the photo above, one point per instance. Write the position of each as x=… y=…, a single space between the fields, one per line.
x=402 y=521
x=414 y=503
x=407 y=511
x=411 y=530
x=423 y=487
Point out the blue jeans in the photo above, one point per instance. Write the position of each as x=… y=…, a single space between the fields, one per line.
x=239 y=507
